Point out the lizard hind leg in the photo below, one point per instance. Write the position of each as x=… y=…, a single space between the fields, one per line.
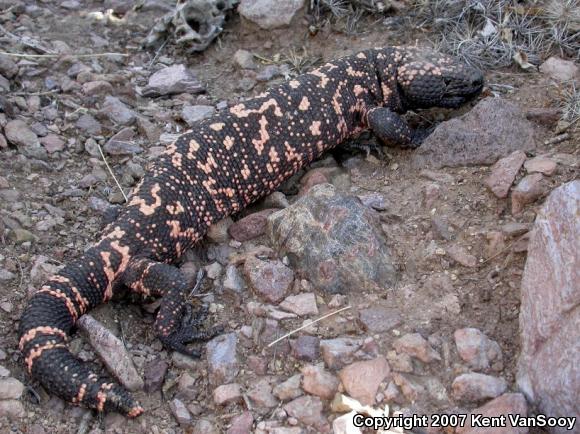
x=176 y=323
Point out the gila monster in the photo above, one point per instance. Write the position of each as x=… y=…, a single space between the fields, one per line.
x=227 y=162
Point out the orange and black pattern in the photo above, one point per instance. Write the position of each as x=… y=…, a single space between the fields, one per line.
x=228 y=161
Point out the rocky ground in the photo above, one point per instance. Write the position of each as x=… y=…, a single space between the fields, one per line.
x=426 y=247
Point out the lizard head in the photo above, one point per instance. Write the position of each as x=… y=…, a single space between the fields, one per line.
x=430 y=79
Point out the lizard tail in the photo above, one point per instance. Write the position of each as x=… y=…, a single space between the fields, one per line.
x=49 y=318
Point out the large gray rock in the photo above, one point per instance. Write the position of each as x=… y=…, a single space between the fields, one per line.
x=494 y=128
x=548 y=369
x=334 y=240
x=270 y=14
x=171 y=80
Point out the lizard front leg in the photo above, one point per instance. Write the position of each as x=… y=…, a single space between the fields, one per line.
x=393 y=130
x=176 y=324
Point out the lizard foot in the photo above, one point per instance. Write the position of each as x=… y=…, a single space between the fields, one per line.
x=190 y=330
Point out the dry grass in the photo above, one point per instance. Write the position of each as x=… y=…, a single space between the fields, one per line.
x=489 y=33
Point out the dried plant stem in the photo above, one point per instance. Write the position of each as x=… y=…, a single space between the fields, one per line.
x=112 y=174
x=80 y=56
x=307 y=325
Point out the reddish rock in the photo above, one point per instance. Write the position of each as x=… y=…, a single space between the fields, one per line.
x=112 y=351
x=542 y=165
x=380 y=319
x=301 y=304
x=269 y=279
x=241 y=424
x=476 y=387
x=507 y=404
x=411 y=389
x=495 y=243
x=154 y=374
x=180 y=412
x=20 y=134
x=289 y=389
x=222 y=358
x=319 y=382
x=431 y=193
x=306 y=348
x=10 y=388
x=99 y=87
x=515 y=229
x=560 y=69
x=12 y=409
x=311 y=179
x=261 y=396
x=251 y=226
x=257 y=364
x=52 y=143
x=504 y=172
x=307 y=409
x=400 y=362
x=476 y=349
x=227 y=393
x=339 y=352
x=416 y=346
x=527 y=191
x=361 y=380
x=547 y=117
x=462 y=256
x=548 y=369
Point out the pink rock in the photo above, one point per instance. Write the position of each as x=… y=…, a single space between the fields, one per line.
x=241 y=424
x=560 y=69
x=289 y=389
x=319 y=382
x=251 y=226
x=507 y=404
x=227 y=393
x=99 y=87
x=431 y=193
x=339 y=352
x=476 y=349
x=361 y=380
x=416 y=346
x=301 y=304
x=475 y=387
x=3 y=142
x=306 y=348
x=495 y=243
x=541 y=165
x=548 y=369
x=270 y=279
x=504 y=172
x=410 y=388
x=527 y=191
x=260 y=394
x=113 y=352
x=462 y=256
x=307 y=409
x=311 y=179
x=52 y=143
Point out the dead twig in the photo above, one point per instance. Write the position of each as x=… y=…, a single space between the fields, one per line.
x=79 y=56
x=505 y=249
x=112 y=174
x=307 y=325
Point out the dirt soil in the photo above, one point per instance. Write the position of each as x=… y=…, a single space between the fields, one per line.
x=435 y=296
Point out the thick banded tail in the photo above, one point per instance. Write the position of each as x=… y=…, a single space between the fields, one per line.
x=48 y=321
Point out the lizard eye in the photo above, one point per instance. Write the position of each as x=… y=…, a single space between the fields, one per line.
x=447 y=81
